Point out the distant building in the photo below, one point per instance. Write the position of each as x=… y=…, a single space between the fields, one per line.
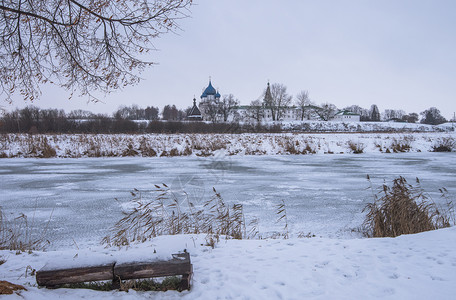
x=209 y=98
x=263 y=112
x=346 y=116
x=208 y=110
x=195 y=113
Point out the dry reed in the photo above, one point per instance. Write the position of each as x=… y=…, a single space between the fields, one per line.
x=356 y=148
x=282 y=217
x=404 y=209
x=165 y=214
x=446 y=144
x=20 y=234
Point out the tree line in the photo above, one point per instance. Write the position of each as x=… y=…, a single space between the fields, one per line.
x=134 y=119
x=277 y=100
x=96 y=46
x=33 y=120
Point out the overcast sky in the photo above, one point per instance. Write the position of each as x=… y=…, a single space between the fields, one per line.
x=398 y=54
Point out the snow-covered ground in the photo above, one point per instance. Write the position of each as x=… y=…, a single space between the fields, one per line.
x=337 y=126
x=116 y=145
x=420 y=266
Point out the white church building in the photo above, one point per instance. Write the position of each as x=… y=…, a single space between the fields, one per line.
x=260 y=113
x=346 y=116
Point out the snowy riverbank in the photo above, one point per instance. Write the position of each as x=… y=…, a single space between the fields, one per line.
x=149 y=145
x=420 y=266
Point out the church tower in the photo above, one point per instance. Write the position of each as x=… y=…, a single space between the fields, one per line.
x=267 y=101
x=209 y=96
x=195 y=114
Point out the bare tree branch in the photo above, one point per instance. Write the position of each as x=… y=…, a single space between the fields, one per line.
x=304 y=104
x=87 y=45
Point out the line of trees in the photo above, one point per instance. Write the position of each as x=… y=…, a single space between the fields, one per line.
x=32 y=120
x=127 y=119
x=277 y=100
x=136 y=113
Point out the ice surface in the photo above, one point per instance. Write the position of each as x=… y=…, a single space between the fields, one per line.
x=324 y=194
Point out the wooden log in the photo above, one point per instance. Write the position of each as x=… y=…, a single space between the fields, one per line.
x=179 y=265
x=186 y=280
x=51 y=278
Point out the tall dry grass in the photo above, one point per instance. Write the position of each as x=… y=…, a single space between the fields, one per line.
x=165 y=213
x=21 y=235
x=401 y=145
x=282 y=217
x=405 y=209
x=444 y=144
x=203 y=145
x=356 y=148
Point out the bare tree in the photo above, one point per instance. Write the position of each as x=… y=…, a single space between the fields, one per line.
x=255 y=110
x=326 y=111
x=410 y=118
x=276 y=99
x=281 y=98
x=85 y=45
x=393 y=114
x=151 y=113
x=123 y=112
x=432 y=116
x=374 y=113
x=170 y=113
x=226 y=106
x=304 y=104
x=80 y=114
x=134 y=112
x=182 y=114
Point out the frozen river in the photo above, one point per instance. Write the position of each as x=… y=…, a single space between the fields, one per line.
x=324 y=194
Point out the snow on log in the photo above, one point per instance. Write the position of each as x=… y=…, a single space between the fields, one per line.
x=51 y=278
x=178 y=265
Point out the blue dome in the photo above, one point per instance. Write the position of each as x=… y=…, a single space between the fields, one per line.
x=217 y=95
x=209 y=91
